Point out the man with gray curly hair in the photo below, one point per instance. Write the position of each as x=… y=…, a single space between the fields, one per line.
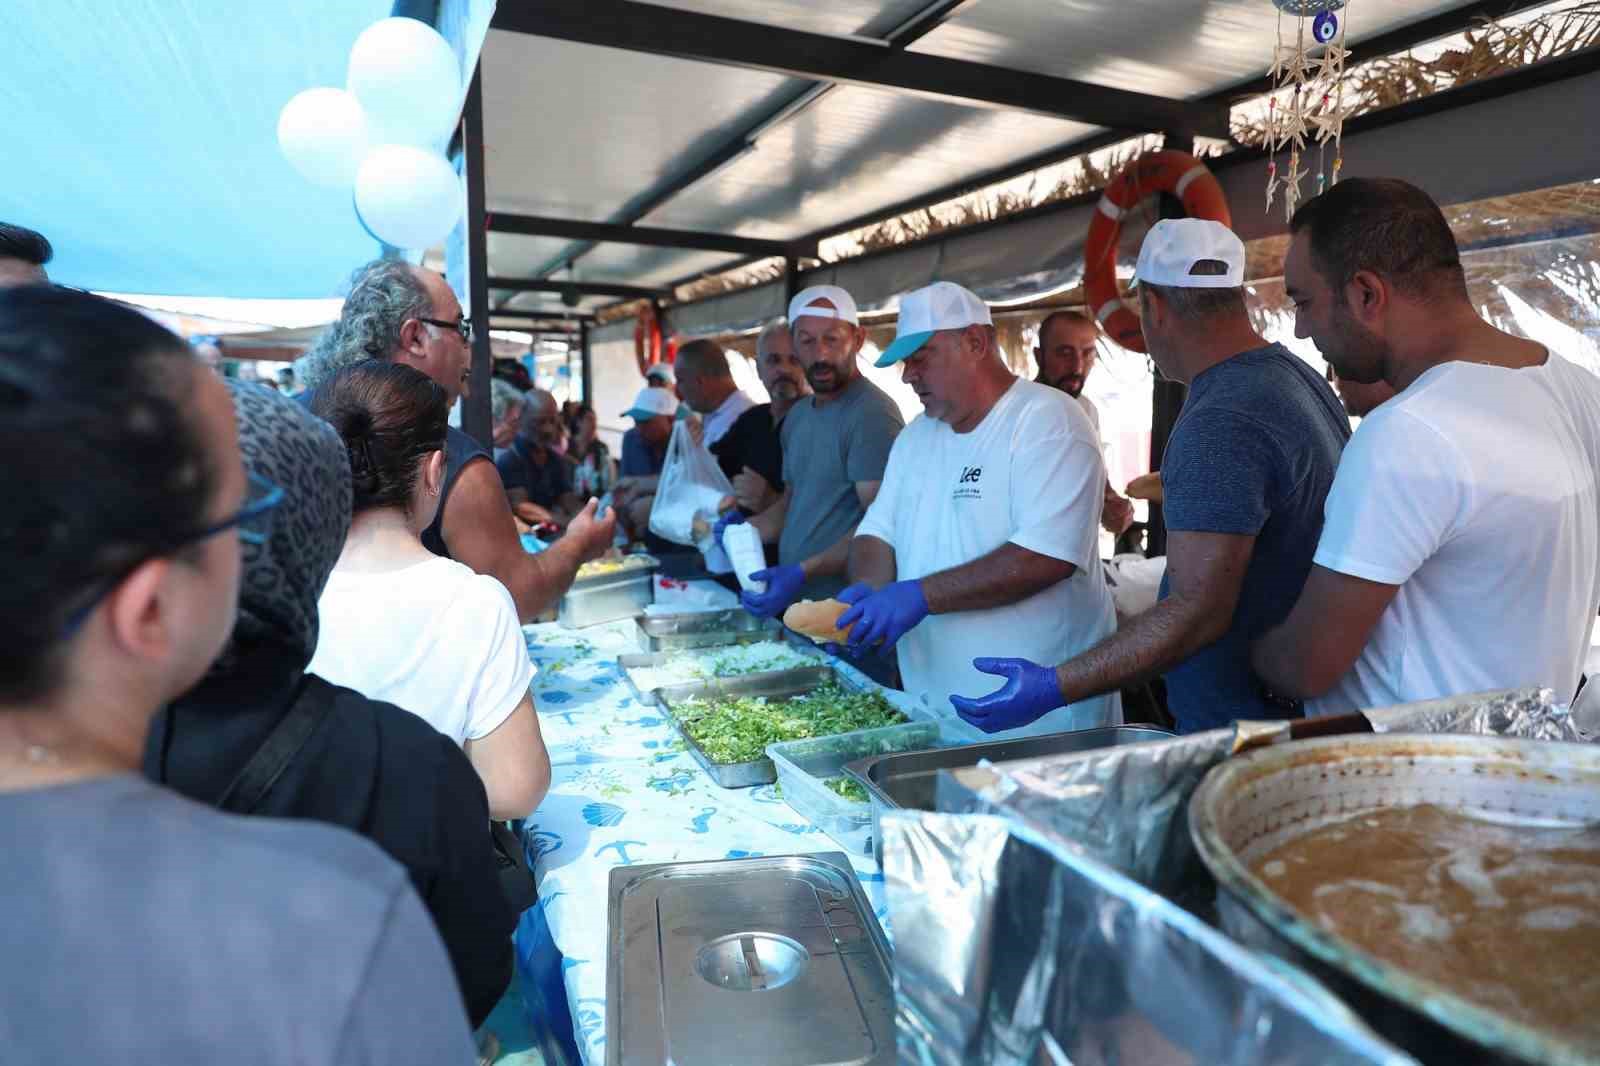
x=405 y=313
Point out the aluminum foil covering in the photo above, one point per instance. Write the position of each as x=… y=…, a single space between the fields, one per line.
x=1529 y=713
x=1013 y=948
x=1127 y=807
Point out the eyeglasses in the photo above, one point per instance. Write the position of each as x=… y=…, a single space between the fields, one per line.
x=254 y=519
x=463 y=326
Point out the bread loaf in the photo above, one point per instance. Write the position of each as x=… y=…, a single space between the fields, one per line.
x=817 y=619
x=1146 y=487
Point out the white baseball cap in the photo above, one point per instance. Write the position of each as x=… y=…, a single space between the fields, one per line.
x=843 y=309
x=1175 y=246
x=661 y=372
x=924 y=312
x=651 y=403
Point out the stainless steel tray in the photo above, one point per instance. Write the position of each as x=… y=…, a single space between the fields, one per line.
x=608 y=597
x=909 y=780
x=775 y=960
x=704 y=629
x=630 y=661
x=781 y=685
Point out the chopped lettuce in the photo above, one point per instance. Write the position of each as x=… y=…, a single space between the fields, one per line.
x=734 y=729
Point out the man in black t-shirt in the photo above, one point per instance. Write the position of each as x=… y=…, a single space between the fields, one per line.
x=750 y=453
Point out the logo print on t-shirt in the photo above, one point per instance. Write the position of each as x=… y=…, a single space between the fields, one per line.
x=967 y=487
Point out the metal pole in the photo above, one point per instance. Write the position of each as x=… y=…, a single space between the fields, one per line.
x=588 y=365
x=475 y=416
x=791 y=278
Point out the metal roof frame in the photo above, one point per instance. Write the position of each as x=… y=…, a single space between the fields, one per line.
x=1416 y=33
x=541 y=226
x=682 y=34
x=582 y=288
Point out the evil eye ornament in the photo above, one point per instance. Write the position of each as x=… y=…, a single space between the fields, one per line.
x=1325 y=27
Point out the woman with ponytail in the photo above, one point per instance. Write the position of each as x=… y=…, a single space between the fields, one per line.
x=403 y=625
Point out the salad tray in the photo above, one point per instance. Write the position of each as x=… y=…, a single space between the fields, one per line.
x=779 y=687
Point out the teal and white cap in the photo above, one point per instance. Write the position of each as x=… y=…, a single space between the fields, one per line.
x=651 y=403
x=942 y=305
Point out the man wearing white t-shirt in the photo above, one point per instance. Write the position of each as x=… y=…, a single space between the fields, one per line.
x=1461 y=546
x=984 y=535
x=1068 y=346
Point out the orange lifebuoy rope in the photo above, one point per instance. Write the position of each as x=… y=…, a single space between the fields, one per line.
x=647 y=338
x=1178 y=173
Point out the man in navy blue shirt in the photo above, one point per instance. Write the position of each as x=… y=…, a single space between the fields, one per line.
x=1245 y=474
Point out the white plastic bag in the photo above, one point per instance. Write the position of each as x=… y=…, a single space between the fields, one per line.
x=690 y=487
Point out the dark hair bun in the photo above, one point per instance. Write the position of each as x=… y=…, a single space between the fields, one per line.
x=390 y=417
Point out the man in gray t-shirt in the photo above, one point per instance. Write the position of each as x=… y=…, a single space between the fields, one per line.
x=835 y=446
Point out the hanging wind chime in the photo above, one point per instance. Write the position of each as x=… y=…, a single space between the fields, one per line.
x=1305 y=107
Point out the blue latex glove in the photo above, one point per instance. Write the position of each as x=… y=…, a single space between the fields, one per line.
x=783 y=588
x=1030 y=691
x=884 y=616
x=852 y=595
x=731 y=517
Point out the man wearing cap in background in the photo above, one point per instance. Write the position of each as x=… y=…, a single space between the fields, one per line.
x=985 y=533
x=835 y=446
x=1068 y=346
x=1246 y=472
x=644 y=452
x=662 y=376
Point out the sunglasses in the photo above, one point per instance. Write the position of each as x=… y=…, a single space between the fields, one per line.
x=463 y=326
x=254 y=519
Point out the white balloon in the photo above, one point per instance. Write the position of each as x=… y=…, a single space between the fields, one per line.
x=323 y=134
x=408 y=197
x=407 y=78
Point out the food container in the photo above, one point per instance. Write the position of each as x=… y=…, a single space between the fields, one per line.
x=908 y=780
x=609 y=596
x=1012 y=946
x=704 y=629
x=805 y=765
x=1256 y=802
x=630 y=662
x=775 y=959
x=783 y=685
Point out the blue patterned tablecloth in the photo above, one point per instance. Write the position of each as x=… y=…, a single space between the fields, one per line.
x=622 y=793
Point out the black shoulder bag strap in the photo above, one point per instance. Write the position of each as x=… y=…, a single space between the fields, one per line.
x=251 y=785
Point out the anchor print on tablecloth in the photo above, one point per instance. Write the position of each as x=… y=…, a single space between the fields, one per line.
x=736 y=853
x=702 y=821
x=621 y=848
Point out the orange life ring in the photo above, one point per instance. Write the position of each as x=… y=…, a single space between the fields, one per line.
x=646 y=338
x=1178 y=173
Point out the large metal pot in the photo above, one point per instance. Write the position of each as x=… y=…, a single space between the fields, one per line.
x=1259 y=801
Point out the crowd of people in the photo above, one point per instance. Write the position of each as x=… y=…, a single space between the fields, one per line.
x=1449 y=547
x=261 y=643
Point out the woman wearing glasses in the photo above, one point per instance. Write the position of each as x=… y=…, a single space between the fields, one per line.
x=125 y=504
x=408 y=627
